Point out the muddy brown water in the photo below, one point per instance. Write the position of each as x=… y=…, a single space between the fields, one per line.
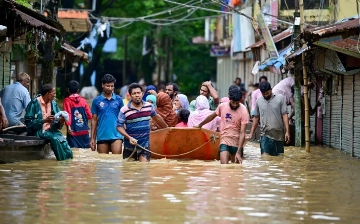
x=320 y=187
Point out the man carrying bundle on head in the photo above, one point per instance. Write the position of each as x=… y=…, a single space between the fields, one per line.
x=234 y=117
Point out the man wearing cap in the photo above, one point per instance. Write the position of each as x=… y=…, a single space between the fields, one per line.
x=234 y=117
x=272 y=110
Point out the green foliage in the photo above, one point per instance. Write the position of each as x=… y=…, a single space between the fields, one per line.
x=191 y=63
x=59 y=95
x=23 y=2
x=18 y=52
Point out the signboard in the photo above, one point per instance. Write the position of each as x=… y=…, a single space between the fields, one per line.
x=266 y=35
x=274 y=14
x=218 y=51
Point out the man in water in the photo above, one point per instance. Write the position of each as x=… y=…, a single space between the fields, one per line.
x=105 y=109
x=40 y=119
x=172 y=89
x=210 y=93
x=272 y=110
x=136 y=117
x=234 y=118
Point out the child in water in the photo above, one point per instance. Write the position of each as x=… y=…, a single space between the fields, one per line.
x=79 y=114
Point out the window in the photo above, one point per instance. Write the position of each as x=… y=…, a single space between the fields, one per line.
x=308 y=4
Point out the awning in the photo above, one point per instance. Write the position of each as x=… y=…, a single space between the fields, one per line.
x=348 y=46
x=20 y=19
x=277 y=62
x=73 y=52
x=34 y=22
x=297 y=53
x=343 y=26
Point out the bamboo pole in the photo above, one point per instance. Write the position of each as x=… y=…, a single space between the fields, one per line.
x=306 y=98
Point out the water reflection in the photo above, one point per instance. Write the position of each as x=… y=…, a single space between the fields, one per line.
x=294 y=188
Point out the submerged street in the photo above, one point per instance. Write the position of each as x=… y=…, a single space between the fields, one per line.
x=320 y=187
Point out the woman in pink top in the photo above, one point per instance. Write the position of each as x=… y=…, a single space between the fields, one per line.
x=183 y=115
x=202 y=110
x=284 y=88
x=256 y=94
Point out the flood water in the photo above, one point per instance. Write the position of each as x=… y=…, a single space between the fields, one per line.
x=320 y=187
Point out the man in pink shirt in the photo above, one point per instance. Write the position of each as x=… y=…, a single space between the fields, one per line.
x=256 y=94
x=234 y=117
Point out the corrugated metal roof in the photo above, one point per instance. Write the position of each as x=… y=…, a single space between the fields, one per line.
x=277 y=62
x=297 y=52
x=352 y=23
x=276 y=38
x=75 y=52
x=72 y=14
x=18 y=15
x=34 y=22
x=350 y=44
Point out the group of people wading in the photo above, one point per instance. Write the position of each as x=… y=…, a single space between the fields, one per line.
x=119 y=124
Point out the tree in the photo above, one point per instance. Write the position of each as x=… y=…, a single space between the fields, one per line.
x=47 y=59
x=175 y=52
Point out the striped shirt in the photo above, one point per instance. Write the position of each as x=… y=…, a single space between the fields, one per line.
x=137 y=123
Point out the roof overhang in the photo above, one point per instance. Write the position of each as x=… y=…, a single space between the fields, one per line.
x=279 y=37
x=348 y=46
x=74 y=53
x=20 y=19
x=346 y=27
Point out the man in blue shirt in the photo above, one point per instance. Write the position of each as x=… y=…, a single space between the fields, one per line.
x=105 y=109
x=136 y=117
x=15 y=98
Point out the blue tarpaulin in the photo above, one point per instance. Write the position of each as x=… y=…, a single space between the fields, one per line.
x=277 y=62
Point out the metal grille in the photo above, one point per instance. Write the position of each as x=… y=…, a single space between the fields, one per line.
x=347 y=115
x=312 y=118
x=326 y=122
x=227 y=70
x=335 y=110
x=357 y=116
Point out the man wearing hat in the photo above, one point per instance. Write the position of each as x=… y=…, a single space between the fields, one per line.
x=272 y=110
x=234 y=117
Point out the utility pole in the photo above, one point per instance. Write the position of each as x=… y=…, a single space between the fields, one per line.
x=306 y=97
x=297 y=90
